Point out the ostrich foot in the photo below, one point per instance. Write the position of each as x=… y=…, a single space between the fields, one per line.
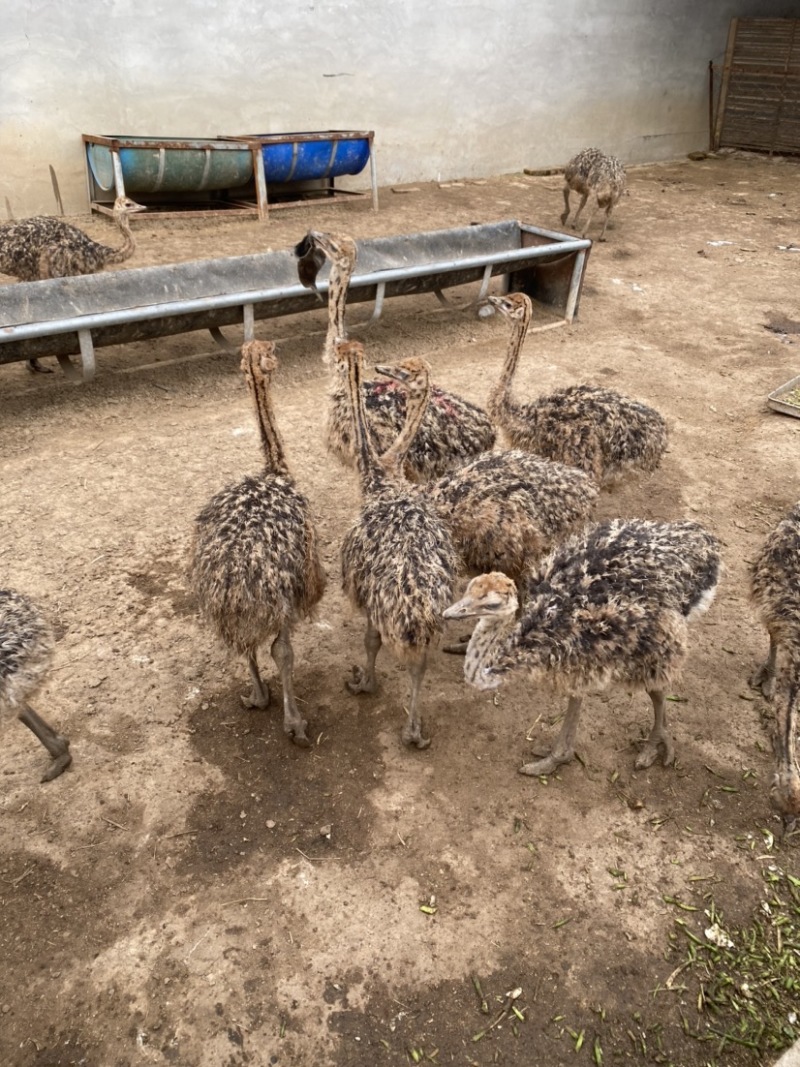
x=361 y=682
x=412 y=735
x=549 y=763
x=256 y=699
x=296 y=729
x=649 y=752
x=61 y=760
x=763 y=679
x=35 y=367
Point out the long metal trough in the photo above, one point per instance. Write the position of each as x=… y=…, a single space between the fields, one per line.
x=69 y=316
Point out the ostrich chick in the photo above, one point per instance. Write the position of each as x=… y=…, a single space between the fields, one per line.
x=453 y=430
x=26 y=651
x=775 y=590
x=254 y=566
x=609 y=605
x=44 y=247
x=593 y=173
x=398 y=561
x=504 y=510
x=598 y=430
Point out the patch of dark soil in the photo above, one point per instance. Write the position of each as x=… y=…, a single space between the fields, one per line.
x=279 y=798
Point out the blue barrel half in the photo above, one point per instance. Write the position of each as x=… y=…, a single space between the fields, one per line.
x=296 y=161
x=171 y=170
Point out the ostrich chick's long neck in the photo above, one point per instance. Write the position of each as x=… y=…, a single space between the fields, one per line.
x=338 y=283
x=128 y=246
x=373 y=476
x=500 y=399
x=417 y=399
x=487 y=636
x=271 y=443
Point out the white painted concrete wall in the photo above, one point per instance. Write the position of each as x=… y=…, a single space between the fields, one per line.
x=452 y=88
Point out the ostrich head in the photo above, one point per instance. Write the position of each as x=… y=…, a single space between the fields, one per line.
x=316 y=247
x=489 y=595
x=124 y=206
x=414 y=374
x=515 y=306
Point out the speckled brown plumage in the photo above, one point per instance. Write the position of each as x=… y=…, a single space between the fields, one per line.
x=503 y=509
x=775 y=590
x=598 y=430
x=46 y=247
x=255 y=566
x=609 y=605
x=593 y=173
x=454 y=429
x=26 y=652
x=398 y=562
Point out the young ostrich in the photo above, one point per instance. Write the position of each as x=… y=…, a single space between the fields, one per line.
x=775 y=590
x=46 y=247
x=398 y=561
x=598 y=430
x=609 y=605
x=254 y=566
x=593 y=173
x=26 y=651
x=503 y=509
x=453 y=430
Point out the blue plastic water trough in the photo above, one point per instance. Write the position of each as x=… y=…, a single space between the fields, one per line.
x=303 y=160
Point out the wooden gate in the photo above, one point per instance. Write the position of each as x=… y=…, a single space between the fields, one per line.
x=759 y=96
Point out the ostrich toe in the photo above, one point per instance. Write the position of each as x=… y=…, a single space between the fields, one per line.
x=658 y=741
x=257 y=699
x=60 y=762
x=549 y=763
x=360 y=681
x=297 y=731
x=35 y=367
x=412 y=735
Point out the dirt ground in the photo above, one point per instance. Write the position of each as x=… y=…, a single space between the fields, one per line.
x=197 y=891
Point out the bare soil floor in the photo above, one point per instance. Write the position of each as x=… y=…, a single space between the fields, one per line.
x=197 y=891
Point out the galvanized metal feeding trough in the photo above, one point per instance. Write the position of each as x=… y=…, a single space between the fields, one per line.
x=69 y=316
x=253 y=172
x=786 y=398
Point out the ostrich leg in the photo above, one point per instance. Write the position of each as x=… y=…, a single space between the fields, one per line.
x=56 y=745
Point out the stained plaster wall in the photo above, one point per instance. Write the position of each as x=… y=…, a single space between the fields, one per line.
x=452 y=88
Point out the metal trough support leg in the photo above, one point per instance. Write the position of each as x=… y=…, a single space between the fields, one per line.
x=249 y=323
x=260 y=178
x=380 y=292
x=119 y=181
x=574 y=286
x=88 y=365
